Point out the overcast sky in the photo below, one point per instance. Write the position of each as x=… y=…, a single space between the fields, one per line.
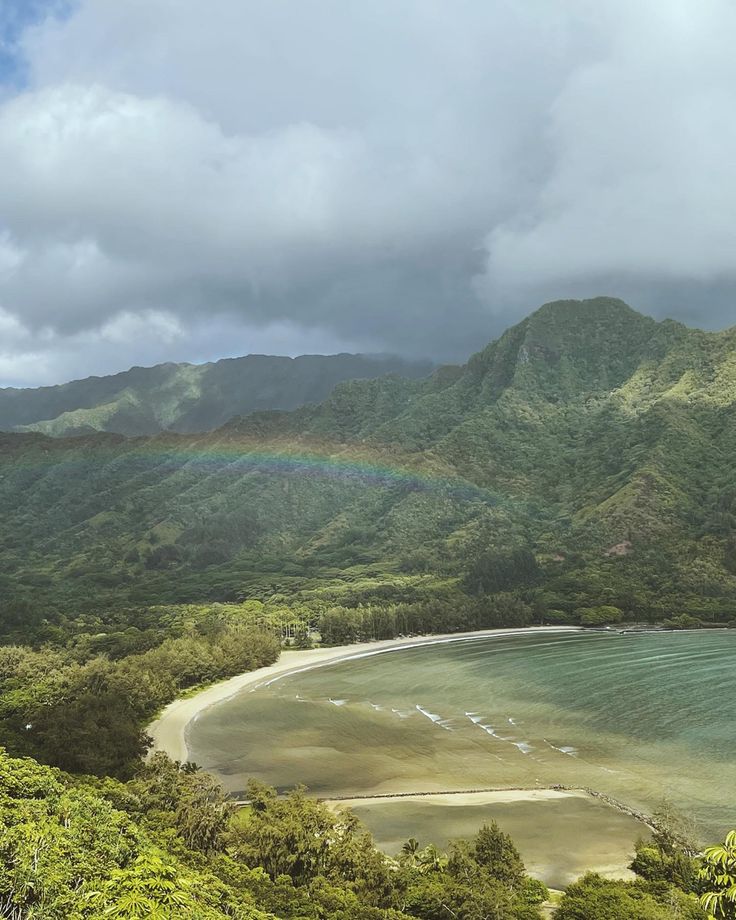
x=183 y=180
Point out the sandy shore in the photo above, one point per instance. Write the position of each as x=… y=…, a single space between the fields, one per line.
x=460 y=799
x=169 y=730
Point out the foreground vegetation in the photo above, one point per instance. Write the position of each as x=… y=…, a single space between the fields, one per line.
x=167 y=844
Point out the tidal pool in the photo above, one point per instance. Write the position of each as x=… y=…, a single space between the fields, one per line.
x=561 y=835
x=641 y=717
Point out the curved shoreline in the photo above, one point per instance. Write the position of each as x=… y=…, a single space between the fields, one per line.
x=169 y=729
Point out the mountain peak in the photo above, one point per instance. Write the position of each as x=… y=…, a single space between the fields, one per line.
x=576 y=347
x=590 y=310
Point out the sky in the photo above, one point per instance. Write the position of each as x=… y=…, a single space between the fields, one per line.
x=186 y=181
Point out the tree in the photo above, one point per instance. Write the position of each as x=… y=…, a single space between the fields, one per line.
x=719 y=874
x=495 y=852
x=153 y=888
x=599 y=616
x=410 y=851
x=670 y=855
x=493 y=570
x=303 y=839
x=94 y=732
x=596 y=898
x=203 y=812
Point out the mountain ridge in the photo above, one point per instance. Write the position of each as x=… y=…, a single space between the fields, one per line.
x=188 y=397
x=591 y=448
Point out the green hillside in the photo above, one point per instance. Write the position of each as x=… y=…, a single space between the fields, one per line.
x=583 y=459
x=189 y=397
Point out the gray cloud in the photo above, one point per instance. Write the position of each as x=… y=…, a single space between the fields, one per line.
x=180 y=181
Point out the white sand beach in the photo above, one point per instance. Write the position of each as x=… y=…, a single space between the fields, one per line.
x=169 y=729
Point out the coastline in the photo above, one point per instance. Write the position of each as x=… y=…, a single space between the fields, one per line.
x=168 y=731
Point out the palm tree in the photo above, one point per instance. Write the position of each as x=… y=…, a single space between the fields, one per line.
x=430 y=858
x=410 y=851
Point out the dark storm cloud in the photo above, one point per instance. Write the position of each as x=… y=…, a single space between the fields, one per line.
x=409 y=176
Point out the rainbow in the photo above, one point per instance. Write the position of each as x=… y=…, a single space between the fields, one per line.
x=237 y=459
x=170 y=453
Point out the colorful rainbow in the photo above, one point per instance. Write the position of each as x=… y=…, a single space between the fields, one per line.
x=236 y=456
x=314 y=463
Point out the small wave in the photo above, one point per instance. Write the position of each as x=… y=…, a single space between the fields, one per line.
x=433 y=717
x=475 y=719
x=376 y=707
x=563 y=748
x=523 y=747
x=511 y=721
x=430 y=715
x=338 y=702
x=402 y=714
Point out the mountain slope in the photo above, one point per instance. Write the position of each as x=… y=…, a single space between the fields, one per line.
x=584 y=458
x=189 y=397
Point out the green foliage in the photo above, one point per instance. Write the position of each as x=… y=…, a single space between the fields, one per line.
x=152 y=888
x=599 y=616
x=496 y=853
x=718 y=874
x=186 y=397
x=480 y=878
x=596 y=898
x=165 y=844
x=301 y=838
x=87 y=717
x=67 y=854
x=581 y=461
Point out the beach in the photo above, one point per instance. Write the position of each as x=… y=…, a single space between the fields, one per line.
x=561 y=829
x=168 y=731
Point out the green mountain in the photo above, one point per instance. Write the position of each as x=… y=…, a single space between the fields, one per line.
x=583 y=459
x=189 y=397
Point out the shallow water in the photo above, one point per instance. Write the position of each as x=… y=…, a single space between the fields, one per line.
x=640 y=717
x=559 y=839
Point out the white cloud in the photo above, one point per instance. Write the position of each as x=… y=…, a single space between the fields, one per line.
x=407 y=176
x=47 y=357
x=643 y=145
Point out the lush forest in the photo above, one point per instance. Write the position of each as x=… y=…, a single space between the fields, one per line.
x=578 y=470
x=168 y=844
x=582 y=461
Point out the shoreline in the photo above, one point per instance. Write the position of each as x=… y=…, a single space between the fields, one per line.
x=487 y=795
x=504 y=794
x=169 y=730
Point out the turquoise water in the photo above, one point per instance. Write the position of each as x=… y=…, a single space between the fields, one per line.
x=641 y=717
